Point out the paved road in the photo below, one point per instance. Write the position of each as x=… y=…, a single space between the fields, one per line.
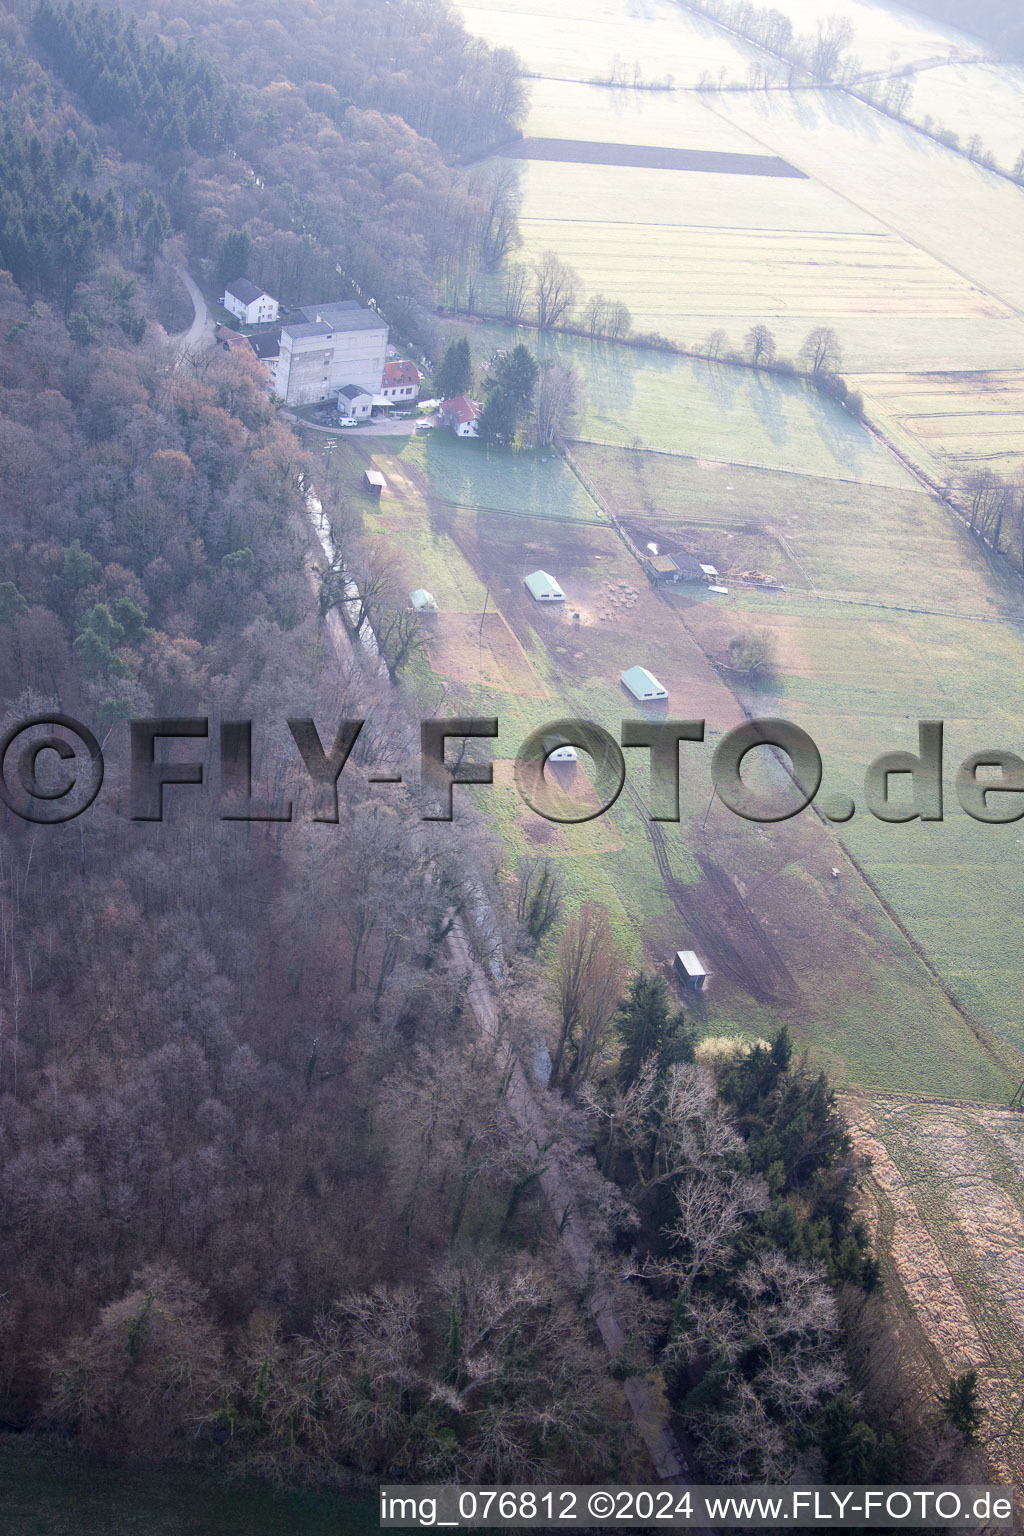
x=199 y=335
x=383 y=428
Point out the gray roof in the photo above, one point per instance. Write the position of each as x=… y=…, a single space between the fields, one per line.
x=266 y=343
x=687 y=566
x=244 y=291
x=296 y=332
x=353 y=391
x=322 y=319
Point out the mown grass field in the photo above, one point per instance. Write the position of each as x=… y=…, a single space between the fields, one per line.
x=687 y=406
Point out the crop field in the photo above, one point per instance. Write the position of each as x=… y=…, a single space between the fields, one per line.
x=582 y=41
x=948 y=1188
x=982 y=99
x=964 y=216
x=952 y=422
x=883 y=36
x=654 y=157
x=688 y=406
x=563 y=109
x=682 y=276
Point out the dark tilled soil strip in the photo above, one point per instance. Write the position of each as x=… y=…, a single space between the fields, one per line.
x=650 y=157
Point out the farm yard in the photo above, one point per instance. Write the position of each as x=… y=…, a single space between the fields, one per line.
x=783 y=936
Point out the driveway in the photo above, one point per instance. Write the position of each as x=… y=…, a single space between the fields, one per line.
x=383 y=428
x=199 y=335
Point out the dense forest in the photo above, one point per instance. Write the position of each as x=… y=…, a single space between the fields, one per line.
x=267 y=1195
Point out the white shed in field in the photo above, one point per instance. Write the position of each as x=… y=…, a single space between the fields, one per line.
x=544 y=588
x=643 y=685
x=424 y=601
x=689 y=969
x=559 y=751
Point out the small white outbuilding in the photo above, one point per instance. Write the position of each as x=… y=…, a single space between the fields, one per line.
x=643 y=685
x=564 y=753
x=544 y=588
x=424 y=601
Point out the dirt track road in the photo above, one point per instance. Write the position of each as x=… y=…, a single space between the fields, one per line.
x=199 y=335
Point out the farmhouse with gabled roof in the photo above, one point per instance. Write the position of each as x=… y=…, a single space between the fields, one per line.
x=249 y=305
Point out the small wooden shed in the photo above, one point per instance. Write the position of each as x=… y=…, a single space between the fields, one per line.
x=374 y=482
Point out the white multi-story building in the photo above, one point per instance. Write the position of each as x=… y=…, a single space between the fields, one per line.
x=324 y=347
x=248 y=303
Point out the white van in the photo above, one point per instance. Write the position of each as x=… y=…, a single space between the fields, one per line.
x=347 y=421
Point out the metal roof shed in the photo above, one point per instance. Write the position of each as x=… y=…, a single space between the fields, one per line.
x=643 y=685
x=689 y=969
x=423 y=601
x=544 y=588
x=374 y=481
x=559 y=750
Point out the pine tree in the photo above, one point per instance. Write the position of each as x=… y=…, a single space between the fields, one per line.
x=648 y=1027
x=961 y=1407
x=454 y=373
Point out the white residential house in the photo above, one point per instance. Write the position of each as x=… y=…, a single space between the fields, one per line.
x=643 y=685
x=249 y=304
x=401 y=381
x=461 y=416
x=543 y=588
x=328 y=347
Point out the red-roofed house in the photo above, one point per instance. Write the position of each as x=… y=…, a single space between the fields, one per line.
x=461 y=416
x=401 y=381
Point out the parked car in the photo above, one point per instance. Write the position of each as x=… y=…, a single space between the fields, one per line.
x=347 y=421
x=424 y=426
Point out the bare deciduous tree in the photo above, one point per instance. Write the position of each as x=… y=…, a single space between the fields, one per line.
x=517 y=291
x=760 y=344
x=590 y=974
x=821 y=352
x=557 y=288
x=556 y=402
